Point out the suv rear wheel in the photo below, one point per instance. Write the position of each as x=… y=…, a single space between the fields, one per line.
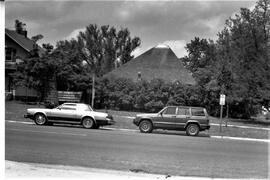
x=146 y=126
x=192 y=129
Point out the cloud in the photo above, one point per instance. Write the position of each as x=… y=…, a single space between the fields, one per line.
x=74 y=34
x=153 y=22
x=178 y=47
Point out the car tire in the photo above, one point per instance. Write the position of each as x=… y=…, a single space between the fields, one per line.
x=192 y=129
x=88 y=123
x=49 y=123
x=96 y=126
x=40 y=119
x=146 y=126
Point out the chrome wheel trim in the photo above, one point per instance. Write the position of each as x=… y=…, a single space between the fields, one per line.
x=193 y=129
x=88 y=123
x=145 y=126
x=40 y=119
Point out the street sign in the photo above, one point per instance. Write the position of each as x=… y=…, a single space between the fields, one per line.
x=222 y=100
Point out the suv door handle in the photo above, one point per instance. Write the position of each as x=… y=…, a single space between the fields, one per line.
x=173 y=116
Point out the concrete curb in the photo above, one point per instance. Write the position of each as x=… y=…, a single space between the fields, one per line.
x=34 y=170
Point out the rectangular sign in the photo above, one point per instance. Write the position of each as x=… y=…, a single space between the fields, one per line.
x=222 y=100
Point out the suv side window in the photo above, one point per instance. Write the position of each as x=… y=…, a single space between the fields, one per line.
x=197 y=112
x=183 y=111
x=170 y=111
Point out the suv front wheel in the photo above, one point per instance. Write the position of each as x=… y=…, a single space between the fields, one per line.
x=192 y=130
x=146 y=126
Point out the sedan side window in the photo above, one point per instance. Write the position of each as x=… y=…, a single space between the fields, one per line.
x=170 y=110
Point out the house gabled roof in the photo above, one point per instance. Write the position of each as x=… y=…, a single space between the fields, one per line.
x=158 y=62
x=22 y=41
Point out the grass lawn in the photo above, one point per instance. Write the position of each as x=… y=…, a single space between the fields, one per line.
x=14 y=110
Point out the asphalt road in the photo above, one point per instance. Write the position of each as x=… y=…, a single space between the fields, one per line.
x=159 y=153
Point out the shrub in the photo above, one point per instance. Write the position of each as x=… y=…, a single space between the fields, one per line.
x=267 y=116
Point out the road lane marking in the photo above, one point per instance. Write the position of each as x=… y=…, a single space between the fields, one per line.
x=244 y=127
x=243 y=139
x=21 y=122
x=120 y=129
x=46 y=132
x=129 y=117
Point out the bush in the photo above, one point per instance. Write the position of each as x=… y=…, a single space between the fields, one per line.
x=267 y=116
x=154 y=106
x=50 y=104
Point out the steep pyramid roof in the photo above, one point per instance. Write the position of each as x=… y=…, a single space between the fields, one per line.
x=158 y=62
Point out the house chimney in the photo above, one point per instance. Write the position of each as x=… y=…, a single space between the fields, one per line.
x=24 y=32
x=20 y=28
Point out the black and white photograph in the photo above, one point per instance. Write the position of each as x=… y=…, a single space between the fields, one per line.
x=135 y=89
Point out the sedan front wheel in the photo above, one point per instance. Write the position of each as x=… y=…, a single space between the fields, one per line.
x=40 y=119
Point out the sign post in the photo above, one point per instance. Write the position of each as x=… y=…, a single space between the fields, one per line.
x=222 y=103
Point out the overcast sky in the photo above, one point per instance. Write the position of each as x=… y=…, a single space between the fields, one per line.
x=174 y=23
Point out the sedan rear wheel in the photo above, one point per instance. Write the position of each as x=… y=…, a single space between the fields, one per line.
x=192 y=130
x=88 y=123
x=146 y=126
x=40 y=119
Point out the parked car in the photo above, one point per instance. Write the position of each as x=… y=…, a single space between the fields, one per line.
x=189 y=119
x=70 y=113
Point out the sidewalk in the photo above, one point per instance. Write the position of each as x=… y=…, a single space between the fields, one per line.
x=32 y=170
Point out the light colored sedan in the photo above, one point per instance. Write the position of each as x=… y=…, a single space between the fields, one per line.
x=70 y=113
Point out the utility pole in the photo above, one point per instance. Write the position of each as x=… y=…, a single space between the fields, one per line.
x=93 y=90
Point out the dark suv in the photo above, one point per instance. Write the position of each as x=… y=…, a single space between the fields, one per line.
x=189 y=119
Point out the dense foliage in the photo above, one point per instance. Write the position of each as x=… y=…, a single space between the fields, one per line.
x=73 y=63
x=237 y=64
x=124 y=94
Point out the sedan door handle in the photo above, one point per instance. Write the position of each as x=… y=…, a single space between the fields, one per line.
x=173 y=116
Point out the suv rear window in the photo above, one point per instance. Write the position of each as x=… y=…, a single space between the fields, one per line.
x=197 y=112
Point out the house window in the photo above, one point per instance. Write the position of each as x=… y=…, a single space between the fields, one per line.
x=10 y=54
